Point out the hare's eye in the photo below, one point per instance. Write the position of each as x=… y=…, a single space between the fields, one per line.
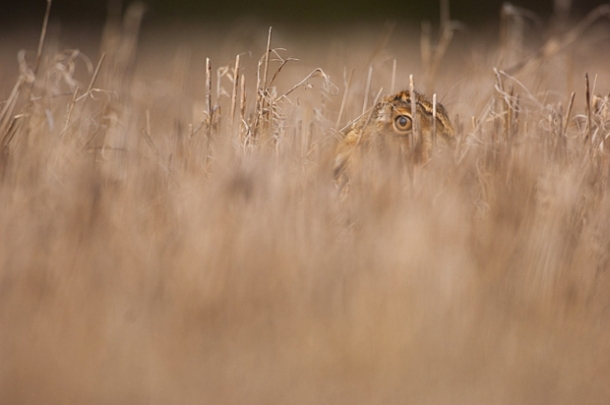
x=402 y=123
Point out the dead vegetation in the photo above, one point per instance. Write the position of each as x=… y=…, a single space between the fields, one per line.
x=170 y=231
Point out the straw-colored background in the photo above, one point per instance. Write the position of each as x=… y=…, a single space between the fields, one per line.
x=150 y=255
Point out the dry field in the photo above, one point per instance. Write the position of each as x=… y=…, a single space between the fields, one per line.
x=169 y=239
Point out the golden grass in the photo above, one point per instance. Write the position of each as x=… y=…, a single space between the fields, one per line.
x=153 y=251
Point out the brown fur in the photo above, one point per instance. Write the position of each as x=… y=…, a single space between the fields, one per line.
x=378 y=125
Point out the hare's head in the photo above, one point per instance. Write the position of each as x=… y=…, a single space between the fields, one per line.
x=390 y=122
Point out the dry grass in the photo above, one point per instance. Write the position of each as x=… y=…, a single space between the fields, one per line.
x=155 y=251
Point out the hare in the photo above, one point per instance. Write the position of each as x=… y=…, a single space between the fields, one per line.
x=389 y=123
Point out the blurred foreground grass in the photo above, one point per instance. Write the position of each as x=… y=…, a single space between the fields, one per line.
x=154 y=250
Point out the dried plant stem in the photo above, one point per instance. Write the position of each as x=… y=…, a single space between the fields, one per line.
x=434 y=119
x=242 y=99
x=37 y=62
x=12 y=130
x=259 y=97
x=96 y=73
x=8 y=105
x=566 y=121
x=314 y=73
x=266 y=60
x=506 y=113
x=263 y=82
x=7 y=111
x=346 y=85
x=279 y=69
x=70 y=109
x=588 y=102
x=261 y=85
x=43 y=35
x=208 y=92
x=258 y=81
x=367 y=89
x=234 y=93
x=377 y=96
x=370 y=112
x=510 y=114
x=147 y=132
x=516 y=110
x=414 y=140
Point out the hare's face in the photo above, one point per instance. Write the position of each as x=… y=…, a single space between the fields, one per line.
x=398 y=109
x=390 y=119
x=390 y=123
